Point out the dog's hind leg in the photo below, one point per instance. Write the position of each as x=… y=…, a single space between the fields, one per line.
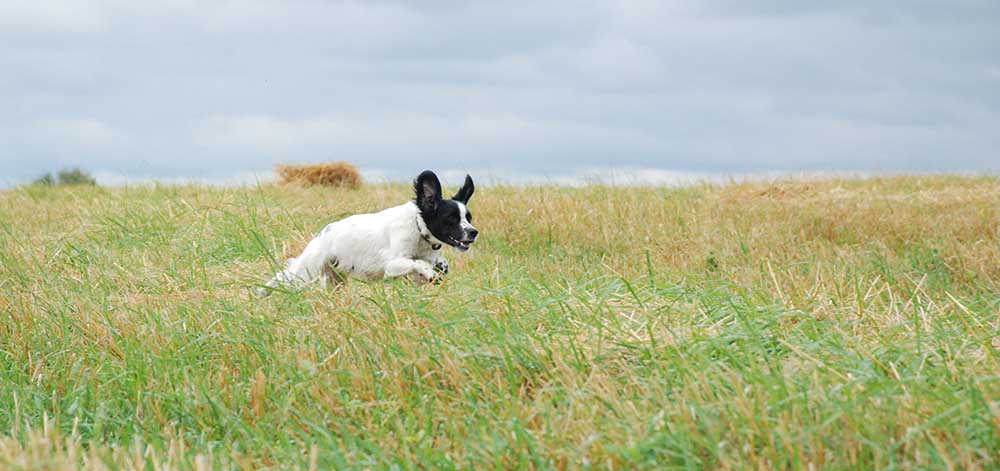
x=313 y=264
x=332 y=277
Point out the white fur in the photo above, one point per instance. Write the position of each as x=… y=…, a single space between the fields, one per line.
x=462 y=210
x=383 y=244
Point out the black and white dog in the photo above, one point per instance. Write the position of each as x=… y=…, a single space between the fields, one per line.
x=399 y=241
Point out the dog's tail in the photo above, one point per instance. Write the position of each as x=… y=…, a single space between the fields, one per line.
x=265 y=291
x=282 y=278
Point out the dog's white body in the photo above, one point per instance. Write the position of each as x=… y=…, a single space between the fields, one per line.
x=390 y=243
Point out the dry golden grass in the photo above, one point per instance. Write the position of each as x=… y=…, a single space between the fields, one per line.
x=294 y=246
x=332 y=174
x=837 y=324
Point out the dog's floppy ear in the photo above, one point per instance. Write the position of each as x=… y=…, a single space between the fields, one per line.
x=466 y=191
x=428 y=190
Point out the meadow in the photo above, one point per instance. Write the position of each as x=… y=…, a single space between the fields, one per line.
x=793 y=324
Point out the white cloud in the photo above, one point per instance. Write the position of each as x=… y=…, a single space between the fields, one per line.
x=87 y=133
x=107 y=178
x=50 y=17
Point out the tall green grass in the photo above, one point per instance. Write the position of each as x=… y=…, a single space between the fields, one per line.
x=793 y=325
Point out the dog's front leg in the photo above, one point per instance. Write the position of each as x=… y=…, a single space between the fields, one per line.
x=405 y=266
x=440 y=265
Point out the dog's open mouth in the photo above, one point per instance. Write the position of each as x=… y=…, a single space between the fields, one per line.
x=462 y=245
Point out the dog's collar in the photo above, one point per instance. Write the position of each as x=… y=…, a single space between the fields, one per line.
x=426 y=234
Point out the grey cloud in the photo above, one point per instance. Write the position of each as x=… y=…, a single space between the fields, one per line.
x=179 y=89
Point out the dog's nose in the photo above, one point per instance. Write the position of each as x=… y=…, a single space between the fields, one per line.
x=473 y=233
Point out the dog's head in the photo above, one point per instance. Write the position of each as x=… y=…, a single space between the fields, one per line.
x=450 y=221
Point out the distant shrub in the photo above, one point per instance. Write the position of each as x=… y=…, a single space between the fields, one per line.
x=336 y=174
x=66 y=177
x=45 y=180
x=75 y=176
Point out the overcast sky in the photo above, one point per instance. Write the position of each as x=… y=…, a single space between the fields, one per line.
x=224 y=90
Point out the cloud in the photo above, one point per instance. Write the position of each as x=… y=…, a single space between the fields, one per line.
x=53 y=17
x=177 y=89
x=81 y=133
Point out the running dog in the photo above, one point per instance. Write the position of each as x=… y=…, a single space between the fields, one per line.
x=399 y=241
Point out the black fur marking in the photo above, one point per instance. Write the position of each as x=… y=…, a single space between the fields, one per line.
x=428 y=191
x=466 y=191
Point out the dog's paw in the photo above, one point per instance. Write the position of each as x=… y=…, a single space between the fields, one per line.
x=426 y=271
x=440 y=270
x=441 y=266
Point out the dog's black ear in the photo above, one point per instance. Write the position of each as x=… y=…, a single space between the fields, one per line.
x=465 y=192
x=428 y=190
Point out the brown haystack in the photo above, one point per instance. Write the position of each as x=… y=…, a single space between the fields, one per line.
x=338 y=174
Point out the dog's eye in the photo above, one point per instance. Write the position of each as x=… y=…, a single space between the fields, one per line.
x=468 y=217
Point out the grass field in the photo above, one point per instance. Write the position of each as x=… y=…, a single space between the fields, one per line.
x=835 y=324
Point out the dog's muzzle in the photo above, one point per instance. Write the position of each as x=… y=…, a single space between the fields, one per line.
x=466 y=242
